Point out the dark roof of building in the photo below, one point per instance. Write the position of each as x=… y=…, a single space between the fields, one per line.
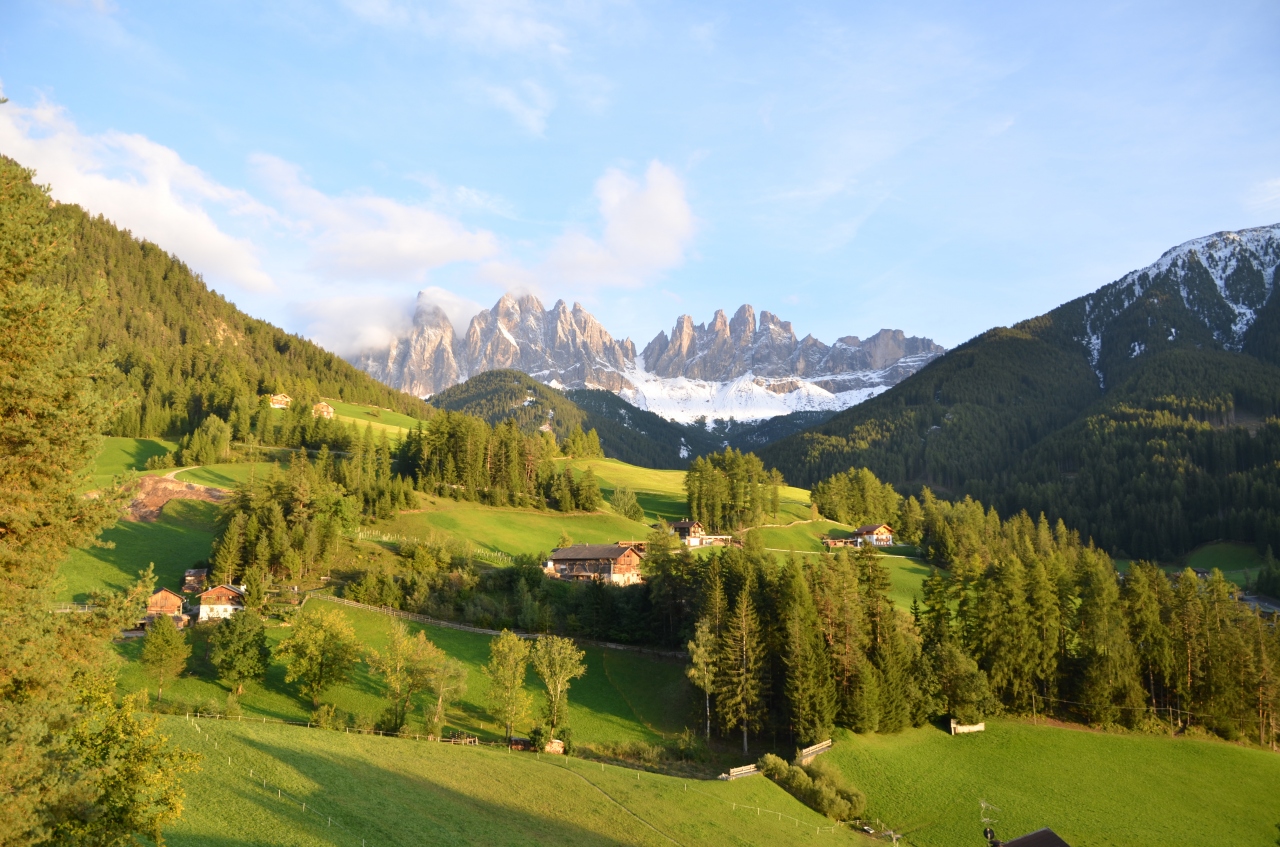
x=1040 y=838
x=166 y=591
x=872 y=527
x=216 y=587
x=587 y=552
x=684 y=524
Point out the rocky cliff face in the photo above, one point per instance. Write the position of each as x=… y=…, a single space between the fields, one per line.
x=737 y=367
x=556 y=346
x=725 y=349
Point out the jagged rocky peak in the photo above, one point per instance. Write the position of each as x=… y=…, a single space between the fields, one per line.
x=725 y=349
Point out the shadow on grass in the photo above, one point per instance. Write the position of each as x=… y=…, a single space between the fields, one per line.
x=382 y=806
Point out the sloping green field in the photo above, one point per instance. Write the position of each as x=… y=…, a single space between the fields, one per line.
x=181 y=537
x=624 y=696
x=510 y=530
x=661 y=492
x=228 y=475
x=1091 y=788
x=362 y=790
x=120 y=455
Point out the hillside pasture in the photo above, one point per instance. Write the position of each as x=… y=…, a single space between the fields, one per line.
x=122 y=455
x=661 y=492
x=228 y=475
x=509 y=530
x=1092 y=788
x=623 y=697
x=363 y=790
x=181 y=537
x=383 y=420
x=1232 y=558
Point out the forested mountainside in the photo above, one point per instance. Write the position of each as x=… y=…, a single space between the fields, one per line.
x=625 y=432
x=1141 y=414
x=185 y=351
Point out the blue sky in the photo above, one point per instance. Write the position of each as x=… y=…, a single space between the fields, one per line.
x=940 y=168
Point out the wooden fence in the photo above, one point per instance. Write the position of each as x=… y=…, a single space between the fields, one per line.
x=739 y=773
x=808 y=754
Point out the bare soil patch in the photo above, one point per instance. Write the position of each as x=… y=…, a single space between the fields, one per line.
x=154 y=491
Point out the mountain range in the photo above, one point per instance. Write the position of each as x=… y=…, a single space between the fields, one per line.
x=1142 y=414
x=725 y=368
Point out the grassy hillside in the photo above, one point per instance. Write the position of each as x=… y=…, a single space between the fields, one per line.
x=624 y=696
x=124 y=455
x=367 y=790
x=180 y=539
x=1092 y=788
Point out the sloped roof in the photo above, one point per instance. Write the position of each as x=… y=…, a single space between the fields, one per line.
x=237 y=591
x=586 y=552
x=684 y=524
x=1040 y=838
x=872 y=527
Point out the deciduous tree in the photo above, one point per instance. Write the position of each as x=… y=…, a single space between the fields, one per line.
x=320 y=652
x=508 y=662
x=558 y=662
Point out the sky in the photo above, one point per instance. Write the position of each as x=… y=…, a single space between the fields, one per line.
x=939 y=168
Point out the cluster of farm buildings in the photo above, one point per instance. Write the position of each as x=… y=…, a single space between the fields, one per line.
x=284 y=401
x=619 y=563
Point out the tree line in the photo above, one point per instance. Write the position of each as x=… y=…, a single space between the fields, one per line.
x=731 y=490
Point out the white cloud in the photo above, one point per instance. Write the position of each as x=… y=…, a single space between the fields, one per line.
x=459 y=309
x=528 y=103
x=364 y=236
x=647 y=229
x=140 y=185
x=349 y=325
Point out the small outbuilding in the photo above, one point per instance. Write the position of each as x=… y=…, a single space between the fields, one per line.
x=221 y=602
x=195 y=580
x=167 y=603
x=606 y=562
x=322 y=410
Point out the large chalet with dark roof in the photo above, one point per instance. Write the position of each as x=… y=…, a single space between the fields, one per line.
x=612 y=563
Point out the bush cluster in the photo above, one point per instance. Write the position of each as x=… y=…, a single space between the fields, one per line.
x=819 y=785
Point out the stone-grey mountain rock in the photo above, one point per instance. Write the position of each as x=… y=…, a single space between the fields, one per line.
x=568 y=347
x=724 y=350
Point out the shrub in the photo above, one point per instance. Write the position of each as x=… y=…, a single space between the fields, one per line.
x=161 y=462
x=538 y=738
x=819 y=785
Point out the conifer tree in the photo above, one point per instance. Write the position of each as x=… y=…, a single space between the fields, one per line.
x=1108 y=683
x=865 y=706
x=1006 y=643
x=227 y=560
x=809 y=687
x=587 y=495
x=740 y=690
x=1147 y=595
x=164 y=652
x=56 y=706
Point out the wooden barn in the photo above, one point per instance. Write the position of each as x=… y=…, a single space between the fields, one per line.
x=168 y=603
x=608 y=562
x=322 y=410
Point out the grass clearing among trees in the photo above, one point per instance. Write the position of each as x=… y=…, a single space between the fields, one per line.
x=181 y=537
x=121 y=455
x=1092 y=788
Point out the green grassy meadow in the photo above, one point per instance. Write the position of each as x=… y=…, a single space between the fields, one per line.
x=1232 y=558
x=121 y=455
x=509 y=530
x=227 y=475
x=181 y=537
x=661 y=492
x=363 y=790
x=623 y=697
x=393 y=423
x=1092 y=788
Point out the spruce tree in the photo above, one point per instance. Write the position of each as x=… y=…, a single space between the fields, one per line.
x=865 y=707
x=164 y=652
x=238 y=649
x=809 y=687
x=1108 y=683
x=740 y=691
x=227 y=560
x=1007 y=644
x=1146 y=596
